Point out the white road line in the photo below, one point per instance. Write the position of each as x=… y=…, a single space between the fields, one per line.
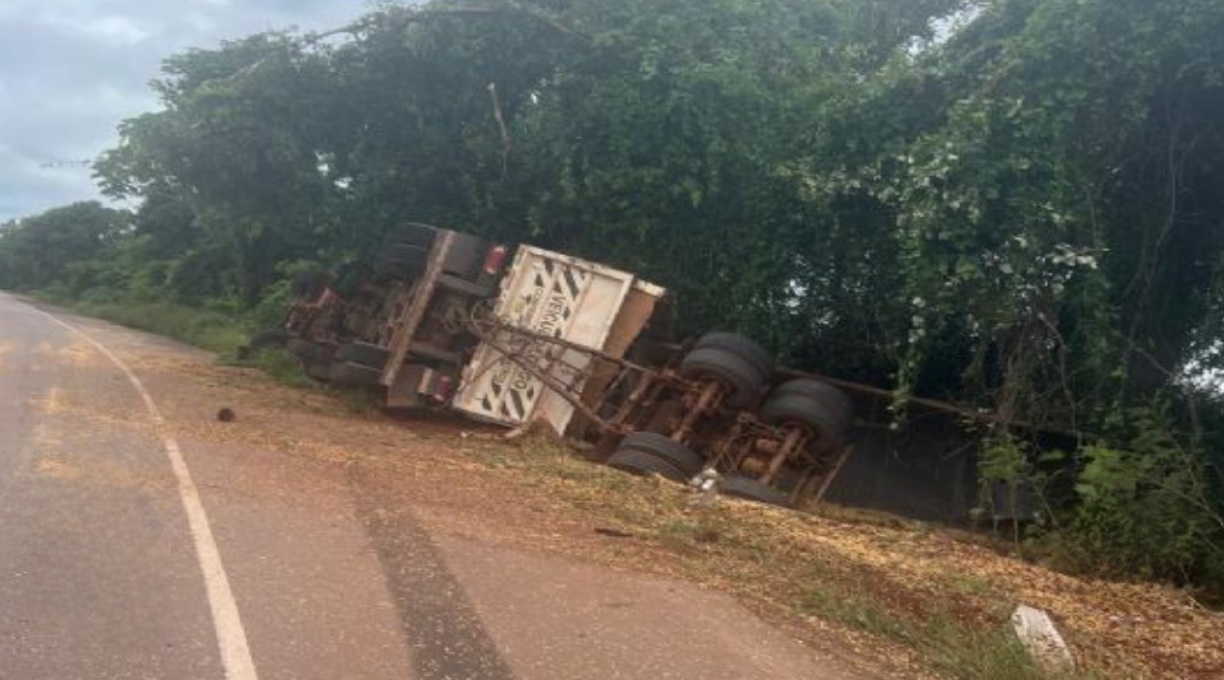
x=231 y=636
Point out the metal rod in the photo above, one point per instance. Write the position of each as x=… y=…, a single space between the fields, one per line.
x=709 y=396
x=828 y=480
x=552 y=384
x=794 y=437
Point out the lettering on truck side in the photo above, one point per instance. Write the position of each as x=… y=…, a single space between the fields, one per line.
x=553 y=316
x=550 y=323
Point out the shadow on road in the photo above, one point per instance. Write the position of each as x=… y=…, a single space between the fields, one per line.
x=445 y=635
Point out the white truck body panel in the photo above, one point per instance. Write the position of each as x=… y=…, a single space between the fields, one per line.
x=553 y=295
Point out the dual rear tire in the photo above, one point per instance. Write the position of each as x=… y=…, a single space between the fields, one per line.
x=354 y=364
x=741 y=366
x=645 y=453
x=824 y=411
x=359 y=364
x=744 y=369
x=405 y=251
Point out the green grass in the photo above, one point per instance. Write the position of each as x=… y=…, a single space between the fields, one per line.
x=278 y=364
x=855 y=607
x=968 y=584
x=211 y=330
x=969 y=654
x=959 y=650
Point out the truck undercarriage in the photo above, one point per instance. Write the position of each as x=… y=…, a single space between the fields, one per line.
x=450 y=320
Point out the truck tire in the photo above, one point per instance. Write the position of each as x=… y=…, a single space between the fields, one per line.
x=466 y=256
x=354 y=375
x=411 y=234
x=363 y=353
x=644 y=464
x=825 y=413
x=682 y=458
x=741 y=346
x=742 y=379
x=402 y=261
x=754 y=490
x=307 y=351
x=821 y=390
x=396 y=271
x=319 y=370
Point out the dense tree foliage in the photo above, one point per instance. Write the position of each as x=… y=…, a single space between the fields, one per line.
x=1012 y=204
x=64 y=246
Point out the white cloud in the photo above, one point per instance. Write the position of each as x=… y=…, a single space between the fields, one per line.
x=200 y=22
x=83 y=20
x=72 y=70
x=119 y=31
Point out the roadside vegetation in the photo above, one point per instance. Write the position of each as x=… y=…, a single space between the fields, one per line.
x=216 y=331
x=1013 y=205
x=939 y=600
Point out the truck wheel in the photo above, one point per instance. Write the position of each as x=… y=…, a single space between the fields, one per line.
x=395 y=271
x=411 y=234
x=319 y=370
x=642 y=463
x=822 y=391
x=741 y=378
x=741 y=346
x=822 y=411
x=678 y=455
x=404 y=254
x=754 y=490
x=310 y=352
x=363 y=353
x=466 y=256
x=349 y=373
x=402 y=261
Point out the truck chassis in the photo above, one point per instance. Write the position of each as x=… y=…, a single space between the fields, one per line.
x=434 y=326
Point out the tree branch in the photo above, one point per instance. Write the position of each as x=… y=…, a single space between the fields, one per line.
x=507 y=142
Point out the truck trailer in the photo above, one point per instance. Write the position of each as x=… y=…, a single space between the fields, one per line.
x=523 y=335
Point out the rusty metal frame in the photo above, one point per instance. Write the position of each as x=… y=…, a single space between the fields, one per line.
x=542 y=356
x=410 y=320
x=742 y=443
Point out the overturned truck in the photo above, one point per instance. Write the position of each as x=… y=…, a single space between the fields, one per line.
x=515 y=336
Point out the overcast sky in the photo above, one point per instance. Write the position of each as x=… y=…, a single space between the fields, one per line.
x=71 y=70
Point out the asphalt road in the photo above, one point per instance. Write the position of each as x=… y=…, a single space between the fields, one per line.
x=130 y=549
